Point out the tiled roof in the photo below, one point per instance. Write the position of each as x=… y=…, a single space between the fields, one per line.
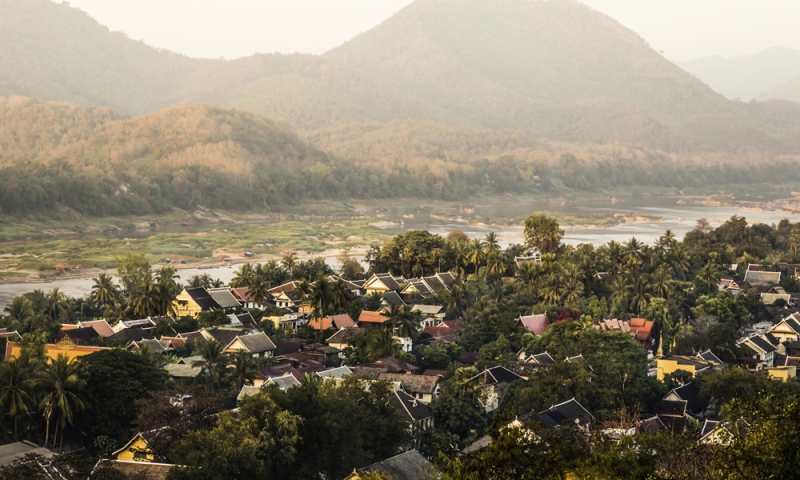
x=496 y=375
x=338 y=372
x=409 y=408
x=129 y=334
x=392 y=298
x=543 y=358
x=410 y=465
x=428 y=309
x=224 y=298
x=202 y=298
x=762 y=277
x=334 y=321
x=182 y=370
x=286 y=287
x=284 y=383
x=434 y=284
x=709 y=356
x=81 y=336
x=536 y=324
x=225 y=335
x=708 y=427
x=675 y=424
x=412 y=383
x=100 y=326
x=690 y=393
x=672 y=407
x=565 y=413
x=346 y=335
x=650 y=425
x=247 y=391
x=391 y=365
x=372 y=317
x=257 y=343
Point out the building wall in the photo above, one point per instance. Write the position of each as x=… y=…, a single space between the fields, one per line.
x=138 y=451
x=189 y=309
x=665 y=367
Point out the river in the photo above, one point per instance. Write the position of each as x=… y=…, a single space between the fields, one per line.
x=678 y=218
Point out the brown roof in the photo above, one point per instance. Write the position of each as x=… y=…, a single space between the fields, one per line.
x=372 y=317
x=100 y=326
x=140 y=470
x=412 y=383
x=333 y=321
x=286 y=287
x=346 y=335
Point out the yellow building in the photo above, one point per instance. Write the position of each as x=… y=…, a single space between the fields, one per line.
x=783 y=373
x=52 y=351
x=673 y=363
x=136 y=450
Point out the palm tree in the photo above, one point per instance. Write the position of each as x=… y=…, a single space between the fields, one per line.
x=619 y=291
x=104 y=291
x=551 y=291
x=19 y=310
x=213 y=359
x=615 y=255
x=321 y=297
x=258 y=290
x=661 y=282
x=491 y=245
x=15 y=391
x=572 y=291
x=244 y=276
x=475 y=253
x=62 y=381
x=408 y=324
x=495 y=263
x=289 y=263
x=710 y=274
x=145 y=298
x=794 y=240
x=244 y=369
x=57 y=301
x=640 y=293
x=382 y=344
x=633 y=252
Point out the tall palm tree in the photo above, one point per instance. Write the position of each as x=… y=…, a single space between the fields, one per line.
x=289 y=263
x=616 y=255
x=456 y=300
x=244 y=369
x=104 y=291
x=709 y=274
x=19 y=310
x=640 y=293
x=57 y=304
x=15 y=391
x=244 y=276
x=571 y=291
x=552 y=289
x=491 y=245
x=145 y=298
x=382 y=344
x=213 y=359
x=408 y=324
x=475 y=254
x=619 y=291
x=258 y=290
x=321 y=297
x=633 y=252
x=661 y=282
x=794 y=240
x=62 y=381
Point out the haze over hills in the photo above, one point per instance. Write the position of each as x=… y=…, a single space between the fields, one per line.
x=789 y=90
x=751 y=76
x=555 y=71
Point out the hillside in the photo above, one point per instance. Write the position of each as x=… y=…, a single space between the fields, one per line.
x=554 y=71
x=747 y=77
x=789 y=90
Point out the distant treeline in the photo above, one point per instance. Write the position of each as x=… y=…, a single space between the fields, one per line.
x=58 y=187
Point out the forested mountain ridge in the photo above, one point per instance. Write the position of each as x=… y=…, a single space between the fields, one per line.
x=556 y=71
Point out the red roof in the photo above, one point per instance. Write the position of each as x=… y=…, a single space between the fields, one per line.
x=334 y=321
x=536 y=324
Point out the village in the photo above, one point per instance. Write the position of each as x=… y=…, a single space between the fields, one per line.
x=468 y=357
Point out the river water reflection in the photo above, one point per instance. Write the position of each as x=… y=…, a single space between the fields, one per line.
x=678 y=218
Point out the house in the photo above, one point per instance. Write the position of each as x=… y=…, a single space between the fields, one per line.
x=337 y=322
x=133 y=469
x=392 y=298
x=447 y=331
x=354 y=288
x=223 y=335
x=183 y=370
x=536 y=257
x=193 y=301
x=783 y=373
x=526 y=369
x=127 y=335
x=368 y=319
x=13 y=452
x=142 y=323
x=256 y=344
x=242 y=295
x=541 y=358
x=691 y=395
x=673 y=415
x=335 y=374
x=81 y=336
x=383 y=282
x=435 y=311
x=774 y=294
x=422 y=387
x=290 y=299
x=345 y=337
x=759 y=348
x=787 y=330
x=570 y=413
x=694 y=365
x=52 y=351
x=410 y=465
x=242 y=320
x=102 y=327
x=721 y=433
x=289 y=321
x=729 y=285
x=225 y=298
x=639 y=328
x=417 y=416
x=493 y=383
x=535 y=324
x=385 y=364
x=284 y=382
x=138 y=449
x=163 y=346
x=759 y=278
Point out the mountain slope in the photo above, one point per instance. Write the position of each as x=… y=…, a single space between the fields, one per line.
x=789 y=90
x=555 y=70
x=749 y=76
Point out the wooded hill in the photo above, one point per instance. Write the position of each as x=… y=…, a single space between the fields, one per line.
x=556 y=71
x=57 y=157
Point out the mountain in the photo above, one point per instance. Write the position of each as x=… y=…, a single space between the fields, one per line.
x=789 y=90
x=557 y=71
x=749 y=76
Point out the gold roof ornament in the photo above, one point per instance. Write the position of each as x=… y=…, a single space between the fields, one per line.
x=66 y=343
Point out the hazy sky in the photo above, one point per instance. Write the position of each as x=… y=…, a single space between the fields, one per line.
x=682 y=29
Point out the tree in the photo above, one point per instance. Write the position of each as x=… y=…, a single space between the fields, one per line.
x=62 y=381
x=258 y=290
x=244 y=276
x=19 y=310
x=115 y=381
x=15 y=391
x=244 y=369
x=104 y=291
x=213 y=359
x=132 y=271
x=350 y=268
x=542 y=233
